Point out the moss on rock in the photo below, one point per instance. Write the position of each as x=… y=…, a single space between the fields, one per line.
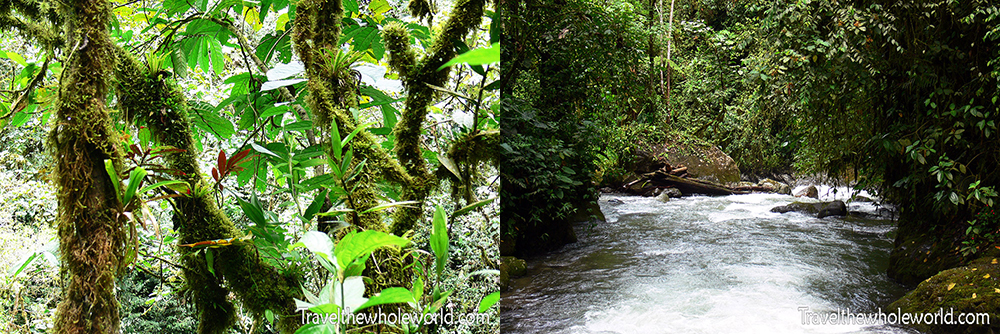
x=968 y=289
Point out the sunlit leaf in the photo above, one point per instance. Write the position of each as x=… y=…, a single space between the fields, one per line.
x=478 y=56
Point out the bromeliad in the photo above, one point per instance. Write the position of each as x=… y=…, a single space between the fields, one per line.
x=218 y=242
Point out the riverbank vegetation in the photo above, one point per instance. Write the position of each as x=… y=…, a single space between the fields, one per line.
x=901 y=98
x=249 y=166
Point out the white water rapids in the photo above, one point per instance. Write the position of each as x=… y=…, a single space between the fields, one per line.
x=707 y=265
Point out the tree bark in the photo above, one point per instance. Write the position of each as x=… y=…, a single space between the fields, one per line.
x=91 y=232
x=237 y=268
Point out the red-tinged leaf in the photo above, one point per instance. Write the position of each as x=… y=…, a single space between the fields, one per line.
x=135 y=148
x=197 y=244
x=215 y=174
x=238 y=157
x=222 y=160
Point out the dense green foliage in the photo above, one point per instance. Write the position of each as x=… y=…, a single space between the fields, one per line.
x=337 y=145
x=568 y=71
x=903 y=96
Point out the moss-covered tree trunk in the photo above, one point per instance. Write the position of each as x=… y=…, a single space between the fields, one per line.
x=417 y=75
x=90 y=231
x=150 y=98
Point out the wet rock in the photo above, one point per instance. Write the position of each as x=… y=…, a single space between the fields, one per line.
x=778 y=187
x=810 y=208
x=835 y=208
x=607 y=190
x=511 y=267
x=809 y=191
x=615 y=201
x=663 y=197
x=673 y=192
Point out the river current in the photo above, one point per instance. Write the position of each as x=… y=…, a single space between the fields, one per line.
x=704 y=264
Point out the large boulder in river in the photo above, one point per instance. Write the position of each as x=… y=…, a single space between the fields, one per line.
x=810 y=208
x=703 y=161
x=970 y=289
x=809 y=191
x=835 y=208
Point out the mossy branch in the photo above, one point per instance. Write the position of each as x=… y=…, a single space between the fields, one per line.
x=332 y=92
x=466 y=15
x=44 y=34
x=259 y=287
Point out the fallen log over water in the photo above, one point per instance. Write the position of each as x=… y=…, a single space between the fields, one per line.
x=662 y=178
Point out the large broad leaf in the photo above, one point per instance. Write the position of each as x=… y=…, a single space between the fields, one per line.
x=357 y=244
x=317 y=242
x=439 y=239
x=378 y=7
x=209 y=121
x=282 y=71
x=272 y=85
x=389 y=296
x=479 y=56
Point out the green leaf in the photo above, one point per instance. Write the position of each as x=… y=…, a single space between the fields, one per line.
x=378 y=7
x=389 y=205
x=318 y=243
x=477 y=57
x=218 y=61
x=351 y=6
x=449 y=164
x=204 y=54
x=115 y=181
x=418 y=288
x=358 y=129
x=254 y=212
x=317 y=329
x=439 y=239
x=470 y=207
x=211 y=122
x=13 y=56
x=355 y=244
x=393 y=295
x=317 y=204
x=262 y=150
x=210 y=260
x=488 y=301
x=20 y=118
x=161 y=184
x=134 y=180
x=13 y=273
x=269 y=315
x=299 y=126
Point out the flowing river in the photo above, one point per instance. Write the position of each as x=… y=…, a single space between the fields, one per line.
x=707 y=265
